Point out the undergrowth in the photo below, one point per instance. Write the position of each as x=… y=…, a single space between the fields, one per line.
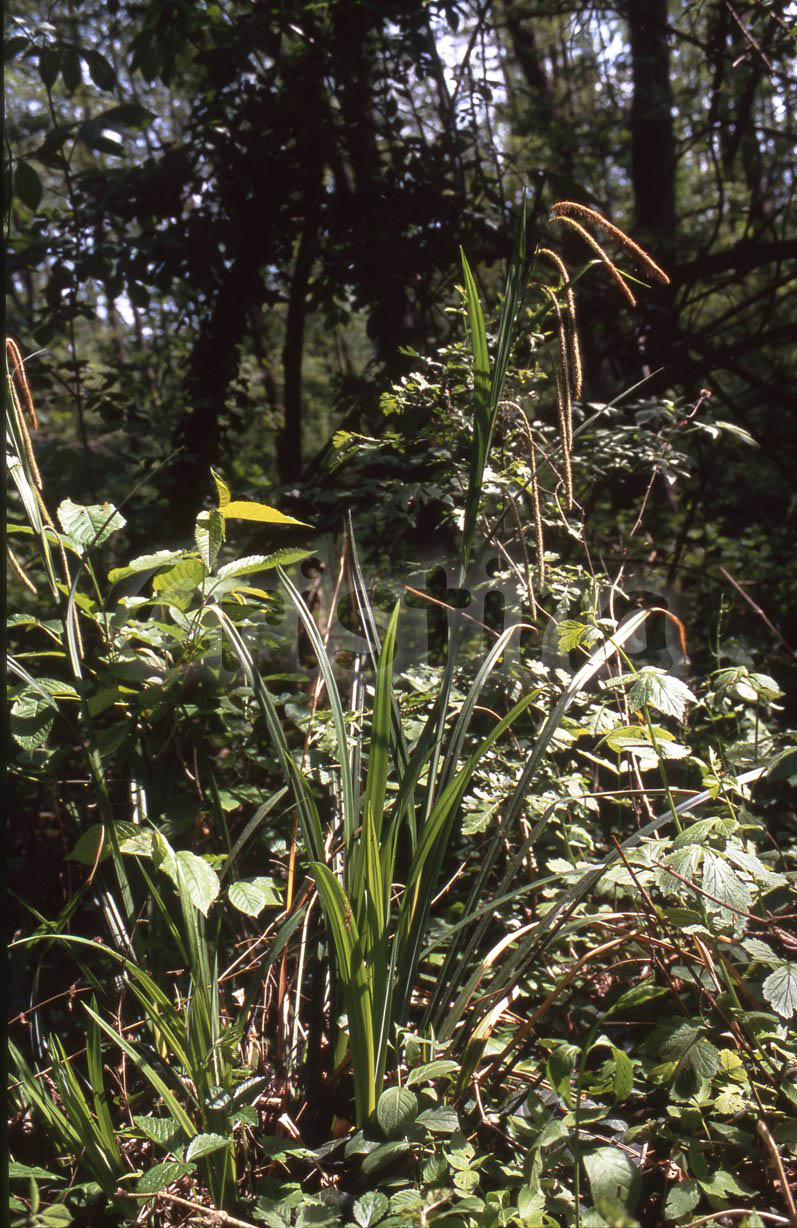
x=422 y=884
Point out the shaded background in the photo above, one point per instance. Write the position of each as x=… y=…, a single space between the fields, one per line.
x=227 y=221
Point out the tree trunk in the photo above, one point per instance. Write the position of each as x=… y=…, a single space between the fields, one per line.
x=652 y=138
x=653 y=165
x=213 y=364
x=289 y=450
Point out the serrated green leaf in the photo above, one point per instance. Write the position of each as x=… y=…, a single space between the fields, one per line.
x=209 y=535
x=16 y=1170
x=145 y=562
x=695 y=833
x=193 y=875
x=571 y=634
x=89 y=525
x=396 y=1111
x=252 y=895
x=682 y=1199
x=384 y=1154
x=722 y=1184
x=654 y=688
x=139 y=841
x=729 y=1102
x=638 y=740
x=531 y=1205
x=614 y=1176
x=370 y=1208
x=721 y=880
x=205 y=1145
x=88 y=844
x=54 y=1216
x=160 y=1175
x=248 y=1091
x=753 y=865
x=222 y=488
x=623 y=1075
x=637 y=995
x=780 y=990
x=32 y=719
x=161 y=1130
x=178 y=585
x=262 y=562
x=441 y=1120
x=684 y=1043
x=759 y=950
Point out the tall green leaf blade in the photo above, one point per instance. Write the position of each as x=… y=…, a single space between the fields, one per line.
x=399 y=742
x=308 y=814
x=354 y=981
x=487 y=387
x=481 y=406
x=153 y=1078
x=510 y=973
x=99 y=1094
x=509 y=310
x=379 y=755
x=350 y=807
x=428 y=858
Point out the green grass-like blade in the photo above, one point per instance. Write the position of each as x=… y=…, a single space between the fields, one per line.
x=105 y=1163
x=399 y=742
x=350 y=806
x=308 y=814
x=429 y=855
x=487 y=387
x=379 y=754
x=171 y=1102
x=481 y=406
x=512 y=811
x=99 y=1094
x=353 y=979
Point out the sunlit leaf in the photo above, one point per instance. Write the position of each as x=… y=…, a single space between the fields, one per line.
x=260 y=512
x=780 y=990
x=89 y=525
x=396 y=1111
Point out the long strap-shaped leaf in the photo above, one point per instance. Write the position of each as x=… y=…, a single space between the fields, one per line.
x=376 y=783
x=462 y=723
x=399 y=746
x=349 y=785
x=353 y=978
x=487 y=388
x=425 y=869
x=308 y=814
x=177 y=1111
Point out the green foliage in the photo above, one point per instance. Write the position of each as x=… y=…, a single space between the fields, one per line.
x=441 y=947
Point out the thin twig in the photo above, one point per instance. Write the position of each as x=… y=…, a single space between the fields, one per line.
x=220 y=1217
x=772 y=1148
x=758 y=610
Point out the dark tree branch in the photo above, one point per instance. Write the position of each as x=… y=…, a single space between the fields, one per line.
x=741 y=258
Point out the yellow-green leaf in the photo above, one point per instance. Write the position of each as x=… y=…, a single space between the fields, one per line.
x=238 y=510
